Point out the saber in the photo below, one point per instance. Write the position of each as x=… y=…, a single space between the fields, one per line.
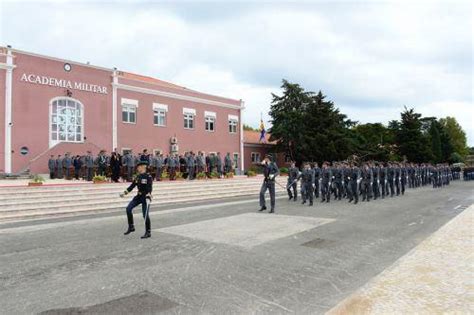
x=291 y=184
x=148 y=202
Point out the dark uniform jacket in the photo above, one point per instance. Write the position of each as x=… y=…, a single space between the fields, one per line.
x=270 y=169
x=144 y=183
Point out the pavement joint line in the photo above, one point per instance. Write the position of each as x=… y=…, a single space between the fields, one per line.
x=45 y=226
x=457 y=207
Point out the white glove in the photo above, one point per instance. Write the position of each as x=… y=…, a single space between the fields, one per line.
x=123 y=194
x=271 y=176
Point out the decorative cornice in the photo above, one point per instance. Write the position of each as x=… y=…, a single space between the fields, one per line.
x=174 y=95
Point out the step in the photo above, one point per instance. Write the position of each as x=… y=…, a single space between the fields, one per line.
x=92 y=193
x=6 y=191
x=49 y=200
x=20 y=215
x=116 y=199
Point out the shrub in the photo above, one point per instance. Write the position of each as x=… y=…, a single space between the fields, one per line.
x=201 y=175
x=165 y=175
x=214 y=174
x=284 y=170
x=37 y=179
x=229 y=175
x=179 y=175
x=251 y=173
x=99 y=178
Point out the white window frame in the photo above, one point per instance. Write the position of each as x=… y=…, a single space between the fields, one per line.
x=82 y=116
x=256 y=154
x=208 y=122
x=233 y=123
x=189 y=118
x=160 y=110
x=129 y=106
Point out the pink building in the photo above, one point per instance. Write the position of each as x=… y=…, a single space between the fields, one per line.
x=53 y=106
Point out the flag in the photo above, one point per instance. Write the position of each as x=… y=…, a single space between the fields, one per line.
x=262 y=132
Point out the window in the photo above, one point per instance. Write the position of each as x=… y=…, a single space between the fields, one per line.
x=233 y=122
x=188 y=121
x=129 y=114
x=255 y=157
x=129 y=111
x=159 y=117
x=210 y=123
x=66 y=121
x=159 y=114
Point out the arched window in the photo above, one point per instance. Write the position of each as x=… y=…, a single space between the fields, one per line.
x=67 y=120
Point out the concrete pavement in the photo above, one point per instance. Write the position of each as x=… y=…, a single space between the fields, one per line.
x=67 y=265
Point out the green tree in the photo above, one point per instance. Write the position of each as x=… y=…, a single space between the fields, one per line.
x=435 y=142
x=375 y=141
x=456 y=134
x=412 y=143
x=249 y=128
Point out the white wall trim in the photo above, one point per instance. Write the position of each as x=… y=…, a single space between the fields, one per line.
x=233 y=117
x=6 y=66
x=114 y=111
x=160 y=106
x=175 y=96
x=8 y=111
x=210 y=114
x=128 y=101
x=190 y=111
x=242 y=156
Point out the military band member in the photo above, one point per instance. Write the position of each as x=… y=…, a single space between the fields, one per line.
x=51 y=166
x=190 y=163
x=159 y=164
x=101 y=162
x=270 y=171
x=293 y=174
x=115 y=165
x=200 y=162
x=144 y=184
x=59 y=167
x=219 y=164
x=77 y=162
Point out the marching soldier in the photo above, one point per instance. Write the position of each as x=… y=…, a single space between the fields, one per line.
x=354 y=183
x=307 y=183
x=317 y=179
x=51 y=166
x=326 y=179
x=270 y=171
x=293 y=174
x=337 y=181
x=398 y=177
x=366 y=181
x=404 y=177
x=391 y=178
x=144 y=183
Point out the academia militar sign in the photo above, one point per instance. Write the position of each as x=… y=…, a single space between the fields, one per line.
x=62 y=83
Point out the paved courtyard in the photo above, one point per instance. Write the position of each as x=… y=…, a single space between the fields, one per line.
x=222 y=257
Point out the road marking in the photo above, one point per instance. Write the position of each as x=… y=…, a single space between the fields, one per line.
x=457 y=207
x=45 y=226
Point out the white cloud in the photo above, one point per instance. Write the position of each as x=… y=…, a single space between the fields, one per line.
x=371 y=58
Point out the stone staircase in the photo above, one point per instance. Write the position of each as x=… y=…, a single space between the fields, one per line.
x=21 y=203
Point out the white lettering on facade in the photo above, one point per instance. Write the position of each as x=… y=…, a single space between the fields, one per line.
x=51 y=81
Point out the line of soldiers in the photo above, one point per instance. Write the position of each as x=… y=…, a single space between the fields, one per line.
x=117 y=166
x=371 y=180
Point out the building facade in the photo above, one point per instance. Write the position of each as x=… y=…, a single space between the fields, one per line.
x=255 y=150
x=51 y=106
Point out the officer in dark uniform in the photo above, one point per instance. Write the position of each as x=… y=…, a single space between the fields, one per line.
x=354 y=183
x=293 y=174
x=307 y=182
x=270 y=171
x=391 y=179
x=326 y=179
x=317 y=178
x=366 y=181
x=144 y=183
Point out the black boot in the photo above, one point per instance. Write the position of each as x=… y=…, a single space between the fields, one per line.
x=272 y=210
x=303 y=202
x=294 y=199
x=310 y=203
x=131 y=229
x=290 y=197
x=263 y=208
x=146 y=235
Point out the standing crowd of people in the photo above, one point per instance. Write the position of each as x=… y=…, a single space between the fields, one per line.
x=118 y=167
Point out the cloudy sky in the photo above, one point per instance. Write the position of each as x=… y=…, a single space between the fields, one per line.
x=370 y=57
